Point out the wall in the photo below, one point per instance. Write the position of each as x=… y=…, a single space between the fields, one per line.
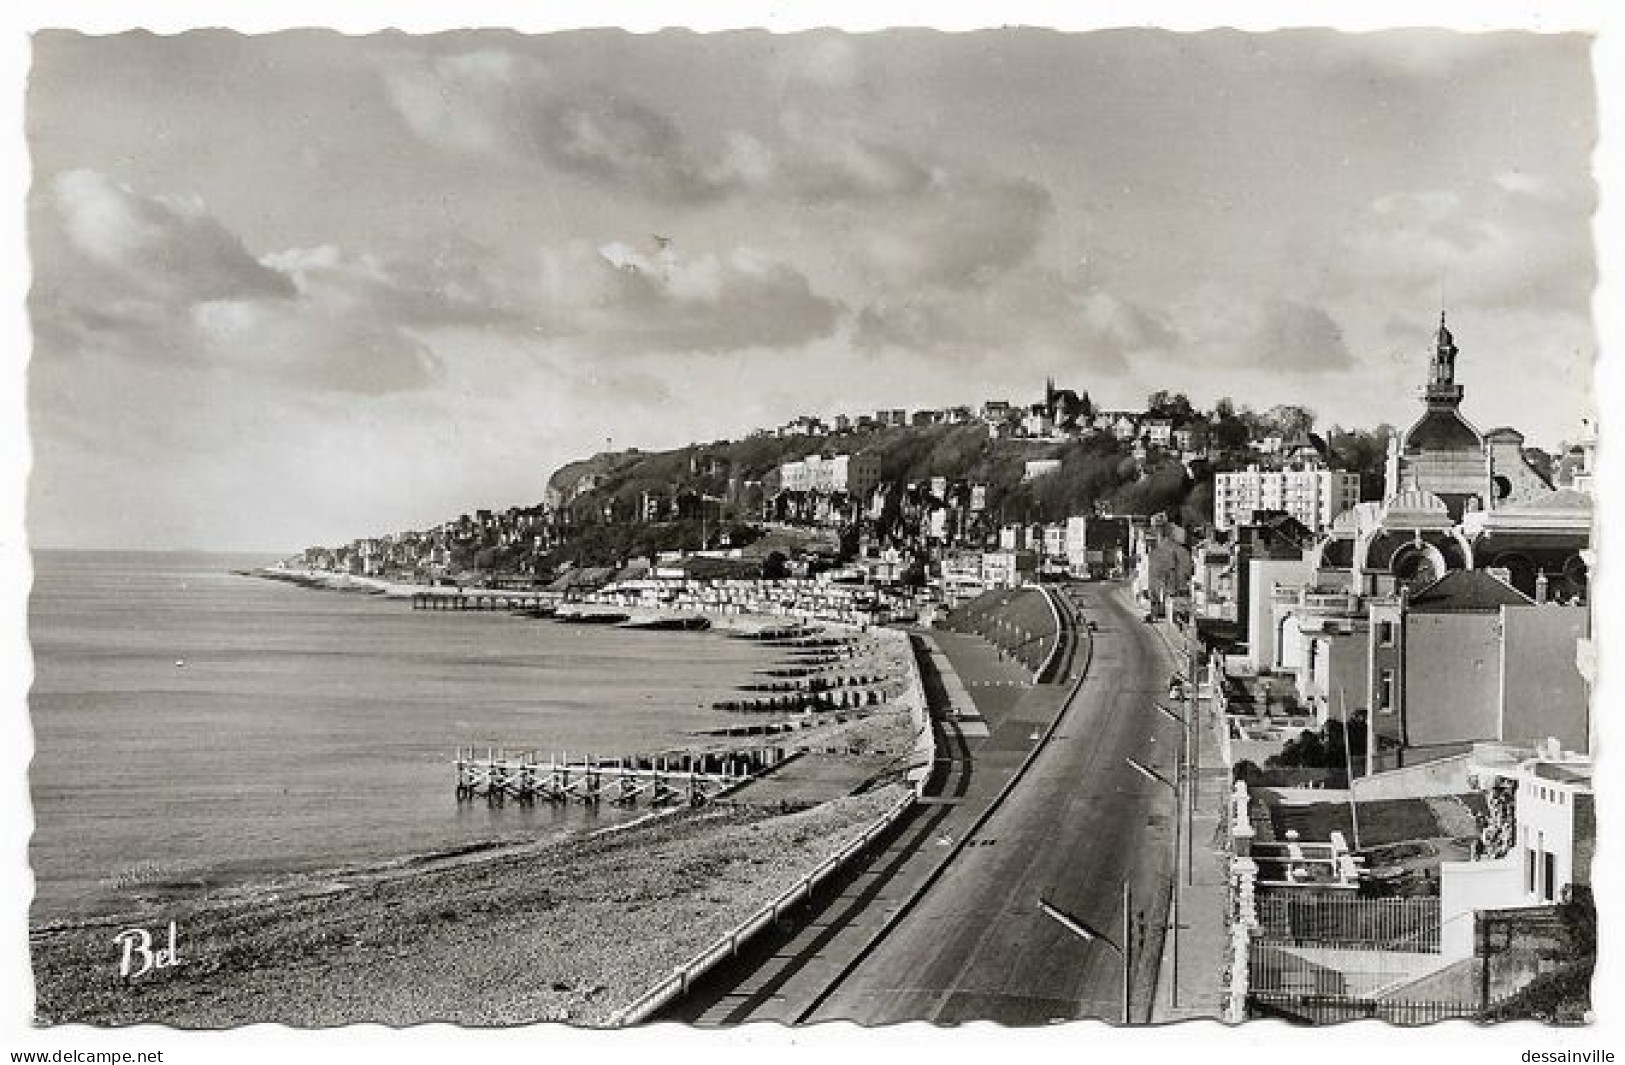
x=1348 y=678
x=1452 y=678
x=1262 y=574
x=1466 y=887
x=1447 y=776
x=1545 y=815
x=1387 y=725
x=1542 y=692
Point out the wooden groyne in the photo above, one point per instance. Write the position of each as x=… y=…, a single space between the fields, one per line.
x=655 y=780
x=804 y=702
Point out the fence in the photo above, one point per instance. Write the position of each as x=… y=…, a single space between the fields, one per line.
x=1397 y=924
x=728 y=944
x=1280 y=969
x=1313 y=1009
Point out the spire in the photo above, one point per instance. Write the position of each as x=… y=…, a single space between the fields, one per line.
x=1442 y=390
x=1445 y=343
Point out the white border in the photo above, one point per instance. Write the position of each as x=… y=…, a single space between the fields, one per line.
x=267 y=1043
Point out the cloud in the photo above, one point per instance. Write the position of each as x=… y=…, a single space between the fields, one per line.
x=157 y=280
x=618 y=300
x=1298 y=338
x=956 y=233
x=1510 y=240
x=1221 y=325
x=497 y=104
x=163 y=248
x=1034 y=315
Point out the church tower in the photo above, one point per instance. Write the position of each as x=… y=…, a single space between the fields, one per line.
x=1442 y=453
x=1442 y=391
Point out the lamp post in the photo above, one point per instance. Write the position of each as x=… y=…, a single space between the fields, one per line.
x=1173 y=912
x=1124 y=952
x=1193 y=755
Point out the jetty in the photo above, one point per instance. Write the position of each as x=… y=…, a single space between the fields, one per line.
x=482 y=599
x=654 y=780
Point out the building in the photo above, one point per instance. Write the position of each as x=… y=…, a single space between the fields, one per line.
x=857 y=475
x=1313 y=495
x=1007 y=569
x=1036 y=468
x=1471 y=659
x=1538 y=848
x=1158 y=432
x=1540 y=540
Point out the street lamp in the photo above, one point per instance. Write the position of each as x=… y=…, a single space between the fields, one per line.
x=1173 y=914
x=1124 y=952
x=1189 y=735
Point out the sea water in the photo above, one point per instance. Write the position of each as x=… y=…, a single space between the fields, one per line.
x=197 y=730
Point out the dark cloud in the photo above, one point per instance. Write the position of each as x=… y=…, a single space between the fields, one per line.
x=617 y=300
x=1299 y=338
x=158 y=280
x=1034 y=317
x=162 y=248
x=497 y=104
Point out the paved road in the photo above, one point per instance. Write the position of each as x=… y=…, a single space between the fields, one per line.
x=787 y=971
x=1079 y=822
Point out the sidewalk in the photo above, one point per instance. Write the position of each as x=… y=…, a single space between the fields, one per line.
x=1204 y=936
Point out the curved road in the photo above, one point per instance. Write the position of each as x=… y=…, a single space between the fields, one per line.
x=1081 y=821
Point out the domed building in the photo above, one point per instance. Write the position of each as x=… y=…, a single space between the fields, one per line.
x=1445 y=455
x=1442 y=453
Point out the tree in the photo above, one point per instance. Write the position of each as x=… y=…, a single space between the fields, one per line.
x=1175 y=406
x=1228 y=431
x=1289 y=419
x=1324 y=748
x=1365 y=453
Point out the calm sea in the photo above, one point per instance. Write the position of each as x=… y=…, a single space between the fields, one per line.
x=307 y=729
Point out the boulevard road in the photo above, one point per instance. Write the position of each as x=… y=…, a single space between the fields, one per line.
x=1078 y=824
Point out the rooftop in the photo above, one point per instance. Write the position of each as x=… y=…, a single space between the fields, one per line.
x=1467 y=592
x=1442 y=430
x=1564 y=772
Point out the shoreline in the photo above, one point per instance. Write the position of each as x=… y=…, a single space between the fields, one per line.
x=568 y=931
x=713 y=850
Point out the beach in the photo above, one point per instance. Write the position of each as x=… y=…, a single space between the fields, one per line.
x=564 y=915
x=569 y=931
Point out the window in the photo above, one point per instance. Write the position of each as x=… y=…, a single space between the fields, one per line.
x=1549 y=871
x=1385 y=633
x=1385 y=692
x=1529 y=870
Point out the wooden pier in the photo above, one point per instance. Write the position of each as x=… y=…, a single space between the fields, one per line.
x=672 y=780
x=481 y=599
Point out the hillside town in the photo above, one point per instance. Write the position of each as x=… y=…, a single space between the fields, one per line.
x=1391 y=641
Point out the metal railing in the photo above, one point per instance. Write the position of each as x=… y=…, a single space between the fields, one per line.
x=1326 y=1009
x=728 y=944
x=1402 y=924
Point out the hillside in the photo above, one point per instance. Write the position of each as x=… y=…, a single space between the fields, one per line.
x=1092 y=468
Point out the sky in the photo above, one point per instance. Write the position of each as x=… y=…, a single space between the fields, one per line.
x=302 y=287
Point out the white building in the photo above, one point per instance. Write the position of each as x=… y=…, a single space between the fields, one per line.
x=1075 y=538
x=1037 y=468
x=1006 y=569
x=1553 y=836
x=1315 y=496
x=1055 y=541
x=857 y=475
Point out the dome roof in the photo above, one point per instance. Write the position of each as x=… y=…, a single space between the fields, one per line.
x=1414 y=509
x=1442 y=430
